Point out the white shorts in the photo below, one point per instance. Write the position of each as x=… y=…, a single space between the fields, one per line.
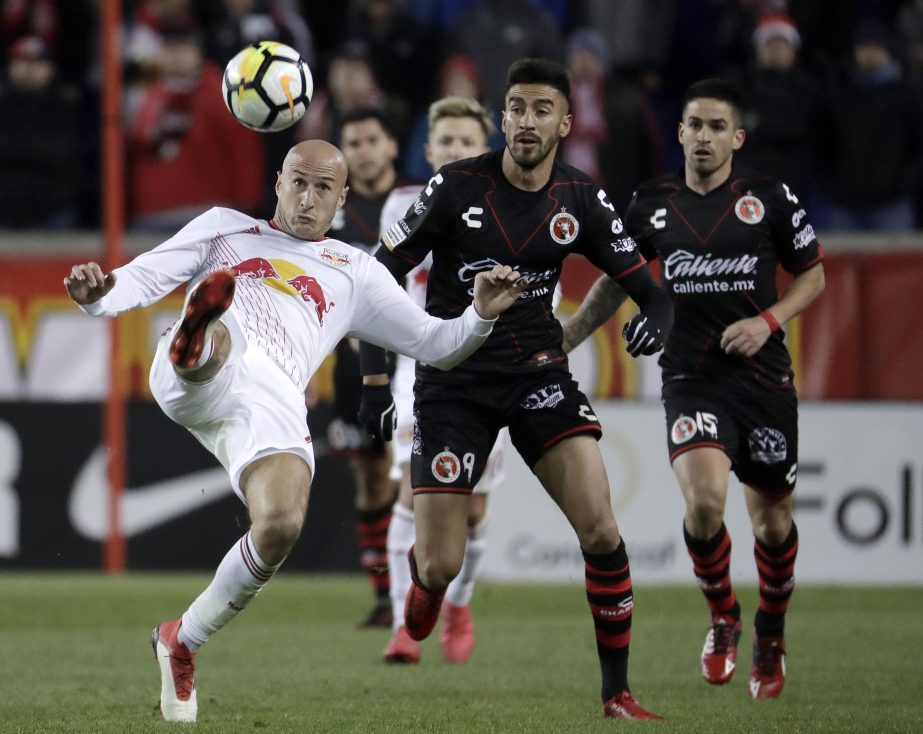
x=249 y=410
x=402 y=391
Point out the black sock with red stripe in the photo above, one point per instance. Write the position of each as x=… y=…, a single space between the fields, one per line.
x=776 y=568
x=608 y=590
x=373 y=549
x=711 y=563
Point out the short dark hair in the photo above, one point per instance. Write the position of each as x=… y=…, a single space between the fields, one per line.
x=720 y=89
x=361 y=114
x=539 y=71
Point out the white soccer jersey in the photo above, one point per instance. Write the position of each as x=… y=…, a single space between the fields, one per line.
x=295 y=299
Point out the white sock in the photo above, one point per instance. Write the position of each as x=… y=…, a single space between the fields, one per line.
x=461 y=589
x=240 y=576
x=401 y=535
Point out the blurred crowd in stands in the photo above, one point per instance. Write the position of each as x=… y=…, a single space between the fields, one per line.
x=833 y=90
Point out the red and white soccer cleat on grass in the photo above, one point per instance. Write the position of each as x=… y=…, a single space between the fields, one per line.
x=624 y=706
x=719 y=656
x=767 y=676
x=177 y=673
x=402 y=649
x=204 y=304
x=457 y=635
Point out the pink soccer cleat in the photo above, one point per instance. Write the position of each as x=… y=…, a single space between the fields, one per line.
x=457 y=636
x=177 y=673
x=402 y=649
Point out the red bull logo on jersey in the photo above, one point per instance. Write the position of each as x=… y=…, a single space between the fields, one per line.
x=749 y=209
x=288 y=279
x=564 y=227
x=310 y=291
x=256 y=268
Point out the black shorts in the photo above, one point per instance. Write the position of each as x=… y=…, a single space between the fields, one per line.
x=759 y=433
x=455 y=426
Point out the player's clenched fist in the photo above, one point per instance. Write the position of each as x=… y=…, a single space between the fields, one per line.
x=87 y=283
x=496 y=290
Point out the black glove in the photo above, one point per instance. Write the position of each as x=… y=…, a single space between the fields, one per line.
x=377 y=412
x=642 y=335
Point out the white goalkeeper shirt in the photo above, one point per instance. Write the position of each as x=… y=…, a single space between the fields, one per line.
x=295 y=299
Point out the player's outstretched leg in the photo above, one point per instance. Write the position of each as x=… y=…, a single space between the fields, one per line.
x=204 y=304
x=421 y=610
x=177 y=673
x=711 y=563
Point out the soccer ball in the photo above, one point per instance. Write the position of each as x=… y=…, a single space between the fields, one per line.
x=267 y=86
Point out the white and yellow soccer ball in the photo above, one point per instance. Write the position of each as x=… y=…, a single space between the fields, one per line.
x=267 y=86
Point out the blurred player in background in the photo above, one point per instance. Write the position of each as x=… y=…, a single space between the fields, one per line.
x=521 y=207
x=721 y=231
x=370 y=150
x=269 y=301
x=459 y=128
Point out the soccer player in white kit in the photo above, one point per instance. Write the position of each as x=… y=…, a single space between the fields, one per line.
x=269 y=301
x=459 y=128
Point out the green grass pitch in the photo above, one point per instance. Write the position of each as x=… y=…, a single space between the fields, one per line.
x=74 y=657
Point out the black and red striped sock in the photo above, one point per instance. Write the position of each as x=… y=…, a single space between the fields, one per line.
x=608 y=591
x=776 y=568
x=373 y=548
x=711 y=563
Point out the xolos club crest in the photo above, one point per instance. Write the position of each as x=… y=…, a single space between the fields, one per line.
x=749 y=209
x=564 y=227
x=446 y=467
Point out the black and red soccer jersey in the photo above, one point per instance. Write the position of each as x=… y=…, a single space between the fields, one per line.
x=471 y=219
x=719 y=255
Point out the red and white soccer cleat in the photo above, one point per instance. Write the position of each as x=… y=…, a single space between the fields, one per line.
x=204 y=304
x=767 y=676
x=719 y=656
x=177 y=673
x=402 y=649
x=624 y=706
x=457 y=636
